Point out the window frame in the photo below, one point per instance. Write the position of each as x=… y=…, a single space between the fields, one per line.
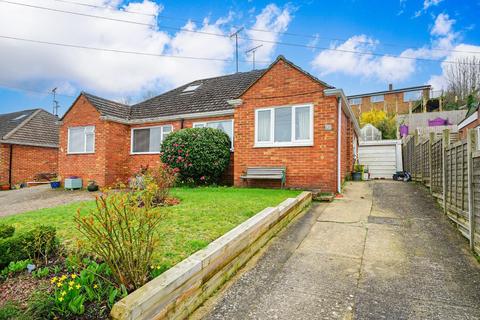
x=148 y=127
x=204 y=125
x=406 y=93
x=84 y=140
x=377 y=95
x=355 y=99
x=293 y=141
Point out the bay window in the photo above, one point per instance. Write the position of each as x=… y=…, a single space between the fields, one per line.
x=148 y=140
x=81 y=140
x=223 y=125
x=284 y=126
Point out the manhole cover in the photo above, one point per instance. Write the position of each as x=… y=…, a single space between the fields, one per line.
x=384 y=220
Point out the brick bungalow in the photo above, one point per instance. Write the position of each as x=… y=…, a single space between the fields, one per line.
x=279 y=116
x=28 y=145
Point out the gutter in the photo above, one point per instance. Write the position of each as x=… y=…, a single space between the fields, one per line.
x=32 y=144
x=176 y=117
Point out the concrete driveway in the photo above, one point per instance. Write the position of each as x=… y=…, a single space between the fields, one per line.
x=385 y=251
x=22 y=200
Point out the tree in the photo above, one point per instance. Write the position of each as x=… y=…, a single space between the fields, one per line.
x=463 y=79
x=384 y=122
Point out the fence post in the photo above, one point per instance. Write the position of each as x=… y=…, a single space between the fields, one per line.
x=471 y=143
x=431 y=140
x=445 y=143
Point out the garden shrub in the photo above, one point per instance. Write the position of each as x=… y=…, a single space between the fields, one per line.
x=201 y=155
x=159 y=181
x=121 y=230
x=6 y=231
x=38 y=243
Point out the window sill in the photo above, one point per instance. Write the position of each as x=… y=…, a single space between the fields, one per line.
x=143 y=153
x=79 y=153
x=285 y=145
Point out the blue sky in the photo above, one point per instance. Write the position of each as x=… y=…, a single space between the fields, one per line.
x=441 y=30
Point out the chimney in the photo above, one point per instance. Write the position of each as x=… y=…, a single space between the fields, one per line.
x=390 y=87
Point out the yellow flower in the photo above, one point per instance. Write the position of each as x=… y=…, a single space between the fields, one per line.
x=60 y=299
x=74 y=276
x=158 y=267
x=78 y=286
x=53 y=280
x=63 y=293
x=95 y=286
x=71 y=283
x=152 y=267
x=59 y=284
x=70 y=288
x=63 y=277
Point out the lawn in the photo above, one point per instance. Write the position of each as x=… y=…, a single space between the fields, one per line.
x=203 y=215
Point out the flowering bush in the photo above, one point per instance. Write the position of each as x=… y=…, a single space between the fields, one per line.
x=201 y=155
x=157 y=181
x=121 y=231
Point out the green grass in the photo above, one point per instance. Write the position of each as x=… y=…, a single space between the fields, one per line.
x=203 y=215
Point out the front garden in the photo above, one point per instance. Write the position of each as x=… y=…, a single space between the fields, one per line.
x=75 y=261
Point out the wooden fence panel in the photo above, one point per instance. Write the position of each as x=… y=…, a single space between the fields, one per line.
x=476 y=201
x=437 y=168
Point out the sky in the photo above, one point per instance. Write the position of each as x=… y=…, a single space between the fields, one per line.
x=130 y=50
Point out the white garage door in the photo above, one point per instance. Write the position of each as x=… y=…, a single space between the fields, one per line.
x=383 y=158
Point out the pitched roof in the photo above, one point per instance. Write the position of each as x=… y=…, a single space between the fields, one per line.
x=408 y=89
x=211 y=95
x=35 y=127
x=108 y=107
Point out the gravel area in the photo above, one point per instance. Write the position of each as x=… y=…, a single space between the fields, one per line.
x=34 y=198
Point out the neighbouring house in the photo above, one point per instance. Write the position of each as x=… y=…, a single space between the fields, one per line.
x=279 y=116
x=28 y=145
x=471 y=121
x=398 y=101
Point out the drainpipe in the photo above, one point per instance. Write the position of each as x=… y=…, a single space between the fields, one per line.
x=339 y=147
x=182 y=121
x=10 y=162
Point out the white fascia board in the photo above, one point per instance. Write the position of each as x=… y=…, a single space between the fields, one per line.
x=209 y=114
x=469 y=120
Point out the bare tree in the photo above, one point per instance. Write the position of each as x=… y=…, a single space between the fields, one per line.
x=126 y=100
x=149 y=94
x=463 y=78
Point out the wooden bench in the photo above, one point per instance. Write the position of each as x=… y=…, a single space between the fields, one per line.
x=266 y=173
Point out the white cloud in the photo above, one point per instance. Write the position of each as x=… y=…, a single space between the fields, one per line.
x=114 y=74
x=443 y=25
x=342 y=58
x=460 y=51
x=426 y=5
x=271 y=18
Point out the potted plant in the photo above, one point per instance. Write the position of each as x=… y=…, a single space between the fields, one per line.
x=55 y=183
x=357 y=172
x=4 y=186
x=92 y=186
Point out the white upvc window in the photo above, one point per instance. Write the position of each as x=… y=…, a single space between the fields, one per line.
x=355 y=101
x=286 y=126
x=224 y=125
x=81 y=140
x=148 y=140
x=377 y=98
x=412 y=96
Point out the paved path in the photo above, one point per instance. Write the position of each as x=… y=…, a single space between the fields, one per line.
x=21 y=200
x=385 y=251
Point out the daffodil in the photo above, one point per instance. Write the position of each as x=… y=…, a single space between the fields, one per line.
x=63 y=293
x=158 y=267
x=78 y=286
x=71 y=283
x=95 y=286
x=53 y=280
x=74 y=276
x=59 y=284
x=70 y=288
x=63 y=277
x=60 y=299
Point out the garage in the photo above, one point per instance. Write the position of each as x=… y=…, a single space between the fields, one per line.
x=382 y=158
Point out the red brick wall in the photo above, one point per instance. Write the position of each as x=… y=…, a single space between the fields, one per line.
x=87 y=166
x=307 y=167
x=474 y=124
x=27 y=161
x=4 y=163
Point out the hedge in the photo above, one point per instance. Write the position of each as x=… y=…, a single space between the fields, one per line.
x=6 y=231
x=35 y=243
